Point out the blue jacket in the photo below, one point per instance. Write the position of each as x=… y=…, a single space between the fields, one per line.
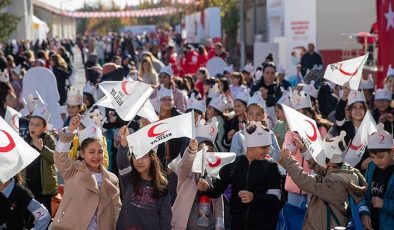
x=387 y=211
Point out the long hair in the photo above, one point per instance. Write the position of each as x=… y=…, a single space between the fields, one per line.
x=5 y=89
x=365 y=106
x=59 y=61
x=263 y=122
x=151 y=72
x=240 y=77
x=159 y=181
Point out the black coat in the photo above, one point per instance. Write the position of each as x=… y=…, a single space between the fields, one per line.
x=309 y=60
x=257 y=177
x=61 y=77
x=274 y=91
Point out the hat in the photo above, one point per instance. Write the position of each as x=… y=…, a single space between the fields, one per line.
x=258 y=75
x=299 y=100
x=228 y=69
x=355 y=96
x=257 y=99
x=214 y=91
x=259 y=137
x=194 y=103
x=166 y=70
x=89 y=88
x=281 y=70
x=94 y=116
x=42 y=112
x=367 y=84
x=310 y=89
x=390 y=71
x=4 y=77
x=164 y=92
x=286 y=95
x=383 y=94
x=248 y=68
x=332 y=148
x=380 y=139
x=91 y=130
x=110 y=67
x=74 y=98
x=242 y=96
x=219 y=103
x=207 y=130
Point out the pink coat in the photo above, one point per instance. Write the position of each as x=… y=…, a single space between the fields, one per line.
x=187 y=191
x=290 y=186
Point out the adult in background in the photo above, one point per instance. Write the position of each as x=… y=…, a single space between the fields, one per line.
x=61 y=71
x=310 y=59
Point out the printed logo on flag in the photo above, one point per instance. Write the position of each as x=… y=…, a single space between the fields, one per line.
x=213 y=160
x=155 y=132
x=6 y=144
x=314 y=136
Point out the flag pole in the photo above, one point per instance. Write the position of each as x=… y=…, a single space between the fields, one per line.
x=193 y=125
x=202 y=161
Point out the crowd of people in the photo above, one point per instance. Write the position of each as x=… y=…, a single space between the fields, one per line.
x=86 y=176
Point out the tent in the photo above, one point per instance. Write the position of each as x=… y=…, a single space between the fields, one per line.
x=39 y=29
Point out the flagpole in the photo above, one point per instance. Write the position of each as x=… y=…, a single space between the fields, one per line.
x=202 y=161
x=193 y=125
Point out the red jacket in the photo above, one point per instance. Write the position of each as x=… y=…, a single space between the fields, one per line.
x=202 y=60
x=190 y=65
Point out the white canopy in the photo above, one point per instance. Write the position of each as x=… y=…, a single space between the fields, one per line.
x=39 y=28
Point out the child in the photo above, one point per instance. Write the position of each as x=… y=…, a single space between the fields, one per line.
x=330 y=187
x=146 y=197
x=216 y=108
x=41 y=173
x=91 y=197
x=281 y=125
x=377 y=207
x=15 y=200
x=74 y=105
x=237 y=122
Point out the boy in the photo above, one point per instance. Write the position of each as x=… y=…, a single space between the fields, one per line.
x=377 y=206
x=41 y=173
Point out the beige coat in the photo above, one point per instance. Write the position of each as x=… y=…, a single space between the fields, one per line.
x=82 y=198
x=331 y=186
x=187 y=190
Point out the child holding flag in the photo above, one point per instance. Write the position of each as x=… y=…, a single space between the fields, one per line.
x=377 y=207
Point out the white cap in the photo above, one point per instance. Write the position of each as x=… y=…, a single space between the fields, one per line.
x=355 y=96
x=74 y=98
x=89 y=88
x=311 y=89
x=207 y=130
x=219 y=103
x=91 y=130
x=4 y=77
x=286 y=96
x=248 y=68
x=390 y=71
x=214 y=91
x=258 y=75
x=258 y=138
x=194 y=103
x=257 y=99
x=332 y=149
x=167 y=70
x=164 y=92
x=299 y=100
x=242 y=96
x=367 y=84
x=228 y=69
x=381 y=139
x=383 y=94
x=42 y=112
x=281 y=70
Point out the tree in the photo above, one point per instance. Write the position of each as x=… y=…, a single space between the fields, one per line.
x=8 y=22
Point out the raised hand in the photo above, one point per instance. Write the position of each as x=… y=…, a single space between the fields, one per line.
x=193 y=145
x=123 y=133
x=38 y=143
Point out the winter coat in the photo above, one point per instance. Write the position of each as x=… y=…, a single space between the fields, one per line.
x=262 y=178
x=387 y=212
x=274 y=91
x=61 y=77
x=187 y=191
x=328 y=187
x=82 y=198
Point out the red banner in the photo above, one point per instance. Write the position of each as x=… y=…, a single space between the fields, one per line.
x=385 y=15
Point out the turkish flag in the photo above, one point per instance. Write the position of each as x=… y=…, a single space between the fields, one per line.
x=385 y=15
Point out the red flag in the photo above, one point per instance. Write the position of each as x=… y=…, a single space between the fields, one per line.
x=385 y=15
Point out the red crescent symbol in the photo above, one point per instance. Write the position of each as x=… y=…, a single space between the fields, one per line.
x=354 y=94
x=314 y=136
x=10 y=146
x=212 y=130
x=298 y=101
x=94 y=129
x=381 y=139
x=124 y=88
x=347 y=73
x=216 y=163
x=354 y=147
x=151 y=131
x=14 y=121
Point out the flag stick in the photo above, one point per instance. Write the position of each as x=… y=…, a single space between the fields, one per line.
x=193 y=125
x=202 y=161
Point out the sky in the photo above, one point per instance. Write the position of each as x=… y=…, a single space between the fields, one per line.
x=76 y=4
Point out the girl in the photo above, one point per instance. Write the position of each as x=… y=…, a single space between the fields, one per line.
x=201 y=75
x=382 y=112
x=238 y=84
x=281 y=125
x=15 y=200
x=147 y=73
x=357 y=110
x=146 y=198
x=61 y=71
x=255 y=183
x=188 y=79
x=89 y=91
x=87 y=182
x=75 y=106
x=216 y=109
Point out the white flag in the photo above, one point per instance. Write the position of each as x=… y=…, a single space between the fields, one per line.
x=174 y=164
x=147 y=111
x=142 y=141
x=15 y=153
x=271 y=116
x=213 y=162
x=346 y=71
x=359 y=143
x=127 y=97
x=308 y=131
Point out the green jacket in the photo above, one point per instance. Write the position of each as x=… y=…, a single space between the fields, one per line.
x=47 y=166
